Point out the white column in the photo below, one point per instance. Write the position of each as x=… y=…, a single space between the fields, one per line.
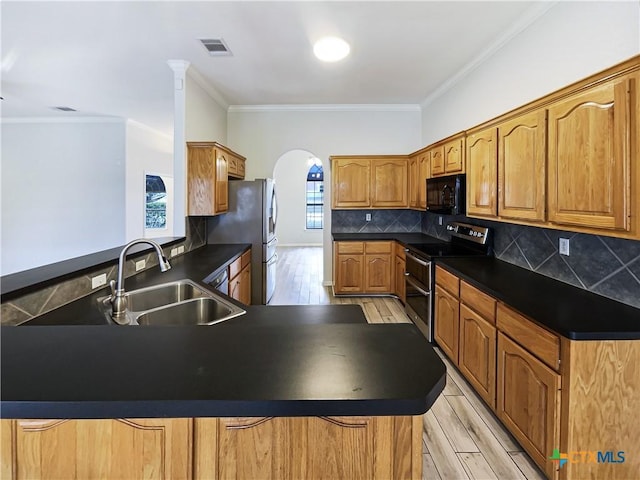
x=179 y=68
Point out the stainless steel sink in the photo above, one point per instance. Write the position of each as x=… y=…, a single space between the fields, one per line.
x=182 y=302
x=202 y=311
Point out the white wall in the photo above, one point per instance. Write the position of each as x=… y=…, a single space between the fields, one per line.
x=63 y=189
x=206 y=119
x=290 y=174
x=570 y=41
x=263 y=135
x=147 y=152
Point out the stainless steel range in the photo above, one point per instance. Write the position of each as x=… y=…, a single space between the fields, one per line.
x=466 y=240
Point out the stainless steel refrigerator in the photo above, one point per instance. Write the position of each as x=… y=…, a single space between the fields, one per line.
x=251 y=219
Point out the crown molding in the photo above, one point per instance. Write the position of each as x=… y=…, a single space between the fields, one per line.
x=206 y=86
x=537 y=10
x=326 y=108
x=75 y=119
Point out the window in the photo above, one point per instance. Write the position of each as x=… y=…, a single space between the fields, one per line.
x=156 y=203
x=315 y=197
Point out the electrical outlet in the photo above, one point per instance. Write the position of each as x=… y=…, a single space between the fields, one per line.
x=181 y=249
x=99 y=280
x=564 y=246
x=439 y=220
x=367 y=217
x=140 y=264
x=174 y=252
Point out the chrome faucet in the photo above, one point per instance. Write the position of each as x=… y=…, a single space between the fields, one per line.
x=118 y=297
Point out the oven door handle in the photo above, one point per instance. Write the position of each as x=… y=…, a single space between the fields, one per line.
x=417 y=260
x=415 y=285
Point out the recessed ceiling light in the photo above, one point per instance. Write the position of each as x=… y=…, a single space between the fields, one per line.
x=331 y=49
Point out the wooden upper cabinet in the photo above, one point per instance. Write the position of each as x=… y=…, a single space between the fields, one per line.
x=521 y=167
x=389 y=182
x=454 y=156
x=351 y=182
x=482 y=174
x=208 y=165
x=414 y=174
x=424 y=166
x=363 y=182
x=436 y=158
x=590 y=141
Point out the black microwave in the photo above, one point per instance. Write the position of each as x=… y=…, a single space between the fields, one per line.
x=446 y=195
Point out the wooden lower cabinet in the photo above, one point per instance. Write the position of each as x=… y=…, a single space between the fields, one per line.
x=477 y=353
x=364 y=267
x=308 y=448
x=528 y=402
x=401 y=290
x=124 y=449
x=446 y=322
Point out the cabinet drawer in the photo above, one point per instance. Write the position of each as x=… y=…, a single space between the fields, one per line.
x=540 y=342
x=448 y=281
x=478 y=301
x=235 y=267
x=378 y=247
x=245 y=259
x=350 y=247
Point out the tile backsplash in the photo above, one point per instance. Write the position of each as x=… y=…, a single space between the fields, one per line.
x=22 y=309
x=604 y=265
x=348 y=221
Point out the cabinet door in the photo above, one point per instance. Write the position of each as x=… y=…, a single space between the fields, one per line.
x=482 y=173
x=528 y=401
x=413 y=182
x=436 y=159
x=222 y=182
x=521 y=167
x=423 y=174
x=478 y=353
x=349 y=273
x=96 y=449
x=351 y=182
x=201 y=175
x=589 y=157
x=245 y=285
x=378 y=273
x=389 y=183
x=446 y=323
x=400 y=285
x=454 y=156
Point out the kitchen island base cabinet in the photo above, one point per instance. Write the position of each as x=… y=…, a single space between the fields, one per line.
x=97 y=449
x=308 y=448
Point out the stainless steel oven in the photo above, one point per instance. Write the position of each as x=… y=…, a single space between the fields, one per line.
x=418 y=291
x=466 y=240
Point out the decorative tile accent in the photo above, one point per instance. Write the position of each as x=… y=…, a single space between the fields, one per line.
x=603 y=265
x=24 y=308
x=350 y=221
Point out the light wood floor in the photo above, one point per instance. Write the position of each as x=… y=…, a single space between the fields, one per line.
x=462 y=438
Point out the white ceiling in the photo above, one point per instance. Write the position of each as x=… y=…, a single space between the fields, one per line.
x=110 y=58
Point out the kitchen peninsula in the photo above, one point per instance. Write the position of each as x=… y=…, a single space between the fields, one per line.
x=287 y=392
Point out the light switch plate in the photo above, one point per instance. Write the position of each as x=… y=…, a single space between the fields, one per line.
x=99 y=280
x=439 y=220
x=174 y=252
x=140 y=264
x=564 y=246
x=367 y=217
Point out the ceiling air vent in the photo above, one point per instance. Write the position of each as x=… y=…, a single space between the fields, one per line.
x=215 y=46
x=64 y=109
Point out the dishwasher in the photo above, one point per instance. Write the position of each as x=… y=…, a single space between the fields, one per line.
x=221 y=282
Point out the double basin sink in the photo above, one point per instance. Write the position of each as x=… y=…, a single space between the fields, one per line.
x=182 y=302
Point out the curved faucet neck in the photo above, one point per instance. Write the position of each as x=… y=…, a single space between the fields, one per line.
x=164 y=264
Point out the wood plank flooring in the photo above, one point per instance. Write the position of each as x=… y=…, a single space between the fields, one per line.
x=462 y=438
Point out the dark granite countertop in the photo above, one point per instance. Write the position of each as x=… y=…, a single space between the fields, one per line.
x=272 y=361
x=567 y=310
x=405 y=238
